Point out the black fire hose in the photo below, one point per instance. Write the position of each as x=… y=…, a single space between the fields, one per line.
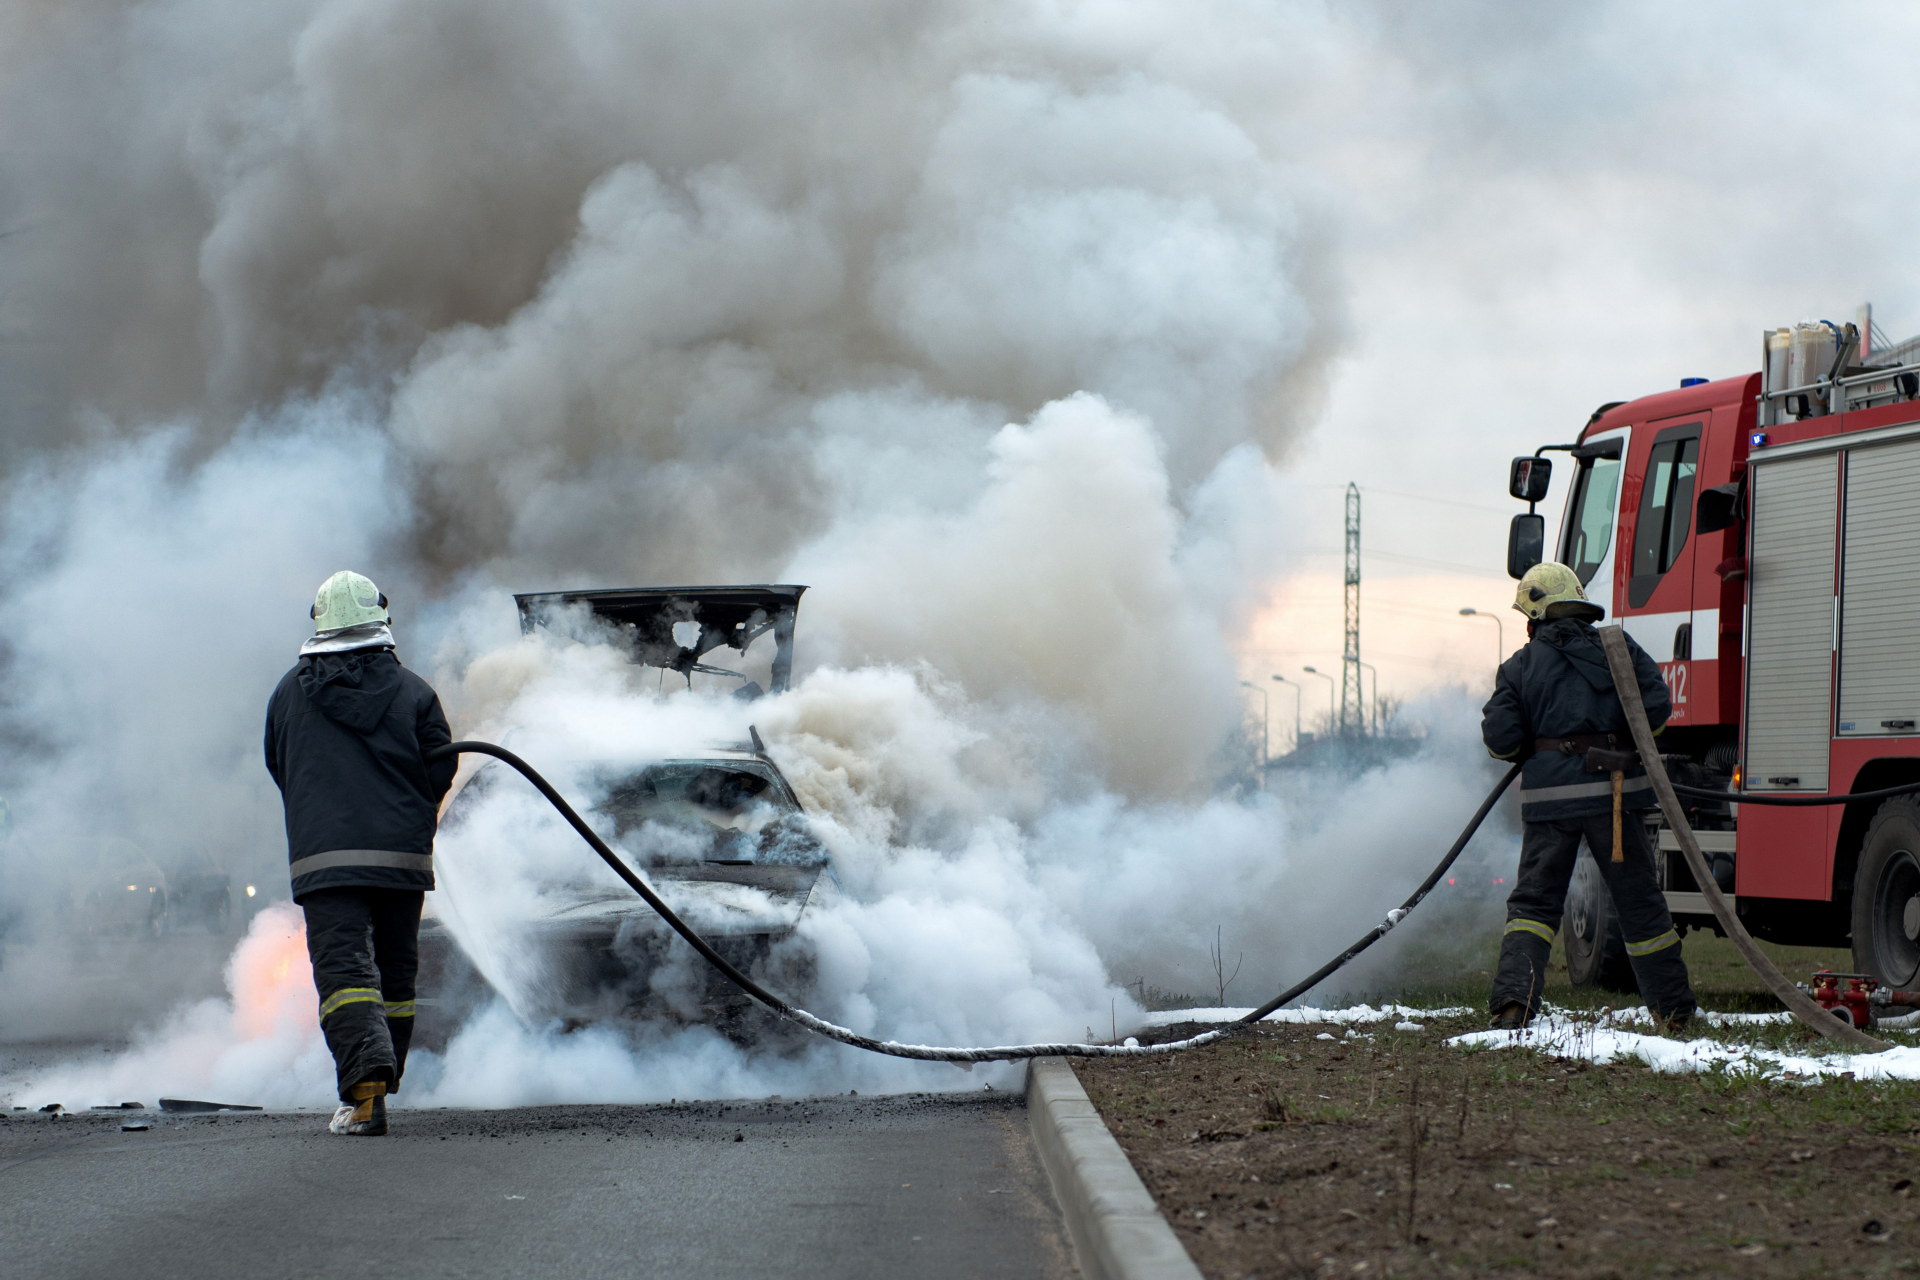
x=1749 y=797
x=931 y=1053
x=1627 y=684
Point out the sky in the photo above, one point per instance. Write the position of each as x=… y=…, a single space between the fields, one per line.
x=1541 y=210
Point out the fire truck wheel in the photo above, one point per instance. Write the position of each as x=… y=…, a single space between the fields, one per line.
x=1596 y=949
x=1886 y=895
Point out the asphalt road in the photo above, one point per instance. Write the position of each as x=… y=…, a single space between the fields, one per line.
x=921 y=1186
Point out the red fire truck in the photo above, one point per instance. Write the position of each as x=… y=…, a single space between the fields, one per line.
x=1759 y=536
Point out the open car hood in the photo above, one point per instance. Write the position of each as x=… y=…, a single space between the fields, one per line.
x=733 y=617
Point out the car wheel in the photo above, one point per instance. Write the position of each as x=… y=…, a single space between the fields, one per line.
x=1596 y=949
x=1886 y=896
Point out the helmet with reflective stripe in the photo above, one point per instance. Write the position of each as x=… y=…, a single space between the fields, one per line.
x=1552 y=590
x=348 y=599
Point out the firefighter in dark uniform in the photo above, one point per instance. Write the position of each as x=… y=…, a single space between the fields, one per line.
x=348 y=730
x=1554 y=707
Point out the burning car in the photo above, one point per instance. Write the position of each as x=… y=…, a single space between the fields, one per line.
x=718 y=832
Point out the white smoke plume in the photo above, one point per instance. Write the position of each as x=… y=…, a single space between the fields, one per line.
x=987 y=321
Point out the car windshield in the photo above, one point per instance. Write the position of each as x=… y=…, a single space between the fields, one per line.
x=687 y=811
x=1590 y=523
x=722 y=795
x=709 y=811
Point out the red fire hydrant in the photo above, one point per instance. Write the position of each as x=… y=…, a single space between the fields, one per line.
x=1855 y=1003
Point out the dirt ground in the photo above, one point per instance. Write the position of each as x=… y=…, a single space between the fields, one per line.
x=1389 y=1153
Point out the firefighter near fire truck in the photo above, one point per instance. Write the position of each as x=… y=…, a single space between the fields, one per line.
x=1554 y=707
x=351 y=740
x=1755 y=535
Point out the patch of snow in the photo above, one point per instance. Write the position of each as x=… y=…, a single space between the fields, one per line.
x=1346 y=1017
x=1638 y=1016
x=1561 y=1036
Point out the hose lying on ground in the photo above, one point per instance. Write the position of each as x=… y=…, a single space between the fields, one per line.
x=1749 y=797
x=1798 y=1002
x=932 y=1053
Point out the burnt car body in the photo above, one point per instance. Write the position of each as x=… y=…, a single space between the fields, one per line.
x=718 y=832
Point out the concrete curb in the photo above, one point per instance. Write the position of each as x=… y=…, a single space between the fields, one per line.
x=1118 y=1232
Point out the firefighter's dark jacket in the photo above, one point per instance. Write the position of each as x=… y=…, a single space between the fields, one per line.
x=346 y=736
x=1559 y=686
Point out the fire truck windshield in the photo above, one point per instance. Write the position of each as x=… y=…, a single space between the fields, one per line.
x=1590 y=528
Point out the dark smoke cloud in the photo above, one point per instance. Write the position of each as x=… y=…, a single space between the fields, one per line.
x=610 y=260
x=515 y=295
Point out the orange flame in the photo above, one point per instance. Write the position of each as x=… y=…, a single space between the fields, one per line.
x=269 y=978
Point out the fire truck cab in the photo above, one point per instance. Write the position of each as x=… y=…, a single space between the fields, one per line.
x=1759 y=536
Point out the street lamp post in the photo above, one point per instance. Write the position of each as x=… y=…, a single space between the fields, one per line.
x=1500 y=635
x=1294 y=685
x=1376 y=693
x=1266 y=726
x=1332 y=715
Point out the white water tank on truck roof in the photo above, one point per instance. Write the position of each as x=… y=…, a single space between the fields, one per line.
x=1810 y=352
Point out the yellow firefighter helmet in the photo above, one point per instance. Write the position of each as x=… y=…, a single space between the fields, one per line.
x=1552 y=590
x=348 y=599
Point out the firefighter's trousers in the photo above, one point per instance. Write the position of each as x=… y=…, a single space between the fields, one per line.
x=1539 y=897
x=365 y=948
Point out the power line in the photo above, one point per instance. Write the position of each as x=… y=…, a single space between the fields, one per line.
x=1441 y=502
x=1373 y=606
x=1416 y=497
x=1477 y=570
x=1416 y=659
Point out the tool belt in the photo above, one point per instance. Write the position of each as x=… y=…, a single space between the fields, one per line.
x=1575 y=744
x=1601 y=760
x=1604 y=753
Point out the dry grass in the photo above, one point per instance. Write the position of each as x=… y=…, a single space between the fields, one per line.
x=1391 y=1153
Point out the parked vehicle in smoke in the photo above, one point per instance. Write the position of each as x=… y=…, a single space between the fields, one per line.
x=1758 y=536
x=201 y=894
x=116 y=890
x=719 y=832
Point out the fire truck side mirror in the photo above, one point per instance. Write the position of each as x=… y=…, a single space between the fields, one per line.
x=1718 y=508
x=1527 y=479
x=1526 y=543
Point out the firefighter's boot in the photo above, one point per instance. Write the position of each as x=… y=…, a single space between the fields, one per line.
x=366 y=1117
x=1511 y=1017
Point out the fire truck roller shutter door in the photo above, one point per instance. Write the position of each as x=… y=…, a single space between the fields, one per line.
x=1790 y=639
x=1879 y=609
